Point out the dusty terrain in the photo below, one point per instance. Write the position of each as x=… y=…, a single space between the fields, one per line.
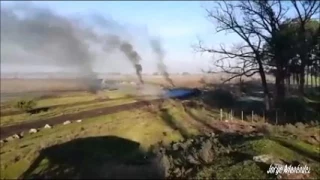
x=74 y=133
x=18 y=85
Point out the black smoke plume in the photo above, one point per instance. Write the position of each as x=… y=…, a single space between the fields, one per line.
x=134 y=58
x=157 y=48
x=39 y=36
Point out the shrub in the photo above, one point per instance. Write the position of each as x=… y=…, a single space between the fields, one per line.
x=295 y=108
x=25 y=105
x=220 y=98
x=184 y=158
x=300 y=125
x=290 y=129
x=292 y=104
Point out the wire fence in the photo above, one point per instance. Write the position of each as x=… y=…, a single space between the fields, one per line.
x=274 y=117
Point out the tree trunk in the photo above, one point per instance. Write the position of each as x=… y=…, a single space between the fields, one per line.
x=267 y=97
x=312 y=77
x=289 y=84
x=317 y=78
x=307 y=78
x=280 y=86
x=302 y=79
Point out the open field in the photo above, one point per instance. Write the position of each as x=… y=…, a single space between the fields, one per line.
x=108 y=125
x=98 y=142
x=11 y=85
x=124 y=132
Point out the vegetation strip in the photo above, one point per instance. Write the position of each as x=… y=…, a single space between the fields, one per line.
x=10 y=130
x=9 y=113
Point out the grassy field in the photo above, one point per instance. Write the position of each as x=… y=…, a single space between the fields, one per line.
x=120 y=142
x=52 y=85
x=139 y=125
x=27 y=85
x=66 y=98
x=114 y=98
x=57 y=152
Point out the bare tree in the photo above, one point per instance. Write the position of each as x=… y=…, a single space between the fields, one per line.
x=247 y=58
x=266 y=40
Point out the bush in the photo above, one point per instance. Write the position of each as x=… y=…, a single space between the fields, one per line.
x=25 y=105
x=220 y=98
x=295 y=108
x=184 y=158
x=292 y=104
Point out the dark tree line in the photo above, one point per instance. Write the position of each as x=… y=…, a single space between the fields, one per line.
x=278 y=37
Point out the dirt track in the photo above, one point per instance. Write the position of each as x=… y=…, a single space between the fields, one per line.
x=9 y=113
x=15 y=129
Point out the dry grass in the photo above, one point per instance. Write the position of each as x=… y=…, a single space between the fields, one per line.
x=31 y=85
x=146 y=126
x=26 y=117
x=138 y=125
x=66 y=98
x=114 y=98
x=47 y=85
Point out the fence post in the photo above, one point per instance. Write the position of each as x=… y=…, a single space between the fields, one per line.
x=252 y=116
x=221 y=114
x=242 y=116
x=231 y=113
x=276 y=117
x=227 y=115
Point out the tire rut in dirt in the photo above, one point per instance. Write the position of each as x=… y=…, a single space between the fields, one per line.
x=10 y=113
x=14 y=129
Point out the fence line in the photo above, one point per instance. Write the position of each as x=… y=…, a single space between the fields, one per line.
x=277 y=116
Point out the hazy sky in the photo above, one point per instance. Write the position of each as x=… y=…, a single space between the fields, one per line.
x=178 y=25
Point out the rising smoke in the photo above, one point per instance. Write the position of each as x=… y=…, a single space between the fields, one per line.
x=114 y=42
x=158 y=50
x=34 y=35
x=134 y=58
x=40 y=36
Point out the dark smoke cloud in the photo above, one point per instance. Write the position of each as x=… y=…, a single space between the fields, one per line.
x=134 y=58
x=39 y=36
x=157 y=48
x=45 y=38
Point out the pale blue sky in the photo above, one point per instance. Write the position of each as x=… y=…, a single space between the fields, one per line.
x=177 y=23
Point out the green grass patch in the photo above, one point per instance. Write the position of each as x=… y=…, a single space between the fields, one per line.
x=174 y=115
x=278 y=149
x=125 y=137
x=299 y=146
x=68 y=98
x=229 y=169
x=19 y=118
x=137 y=125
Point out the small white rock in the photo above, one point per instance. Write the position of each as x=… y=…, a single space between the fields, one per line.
x=47 y=126
x=10 y=138
x=21 y=134
x=1 y=141
x=66 y=122
x=78 y=121
x=263 y=158
x=226 y=121
x=16 y=136
x=32 y=131
x=212 y=134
